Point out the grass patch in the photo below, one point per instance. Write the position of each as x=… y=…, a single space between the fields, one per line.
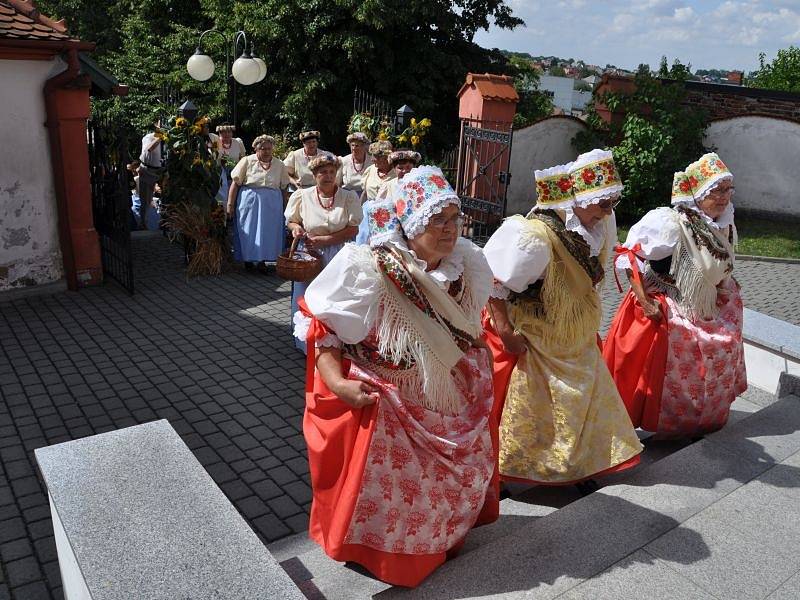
x=758 y=237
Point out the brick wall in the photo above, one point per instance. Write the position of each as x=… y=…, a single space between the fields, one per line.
x=722 y=101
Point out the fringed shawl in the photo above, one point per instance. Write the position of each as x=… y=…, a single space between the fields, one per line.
x=421 y=332
x=702 y=259
x=571 y=308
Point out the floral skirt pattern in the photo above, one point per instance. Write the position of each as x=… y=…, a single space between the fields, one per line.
x=426 y=474
x=705 y=369
x=563 y=419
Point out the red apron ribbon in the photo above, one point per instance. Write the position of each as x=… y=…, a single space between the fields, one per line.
x=620 y=250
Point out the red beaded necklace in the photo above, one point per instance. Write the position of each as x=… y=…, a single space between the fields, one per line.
x=269 y=164
x=363 y=165
x=333 y=199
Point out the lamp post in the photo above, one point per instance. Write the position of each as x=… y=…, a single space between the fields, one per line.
x=246 y=70
x=402 y=118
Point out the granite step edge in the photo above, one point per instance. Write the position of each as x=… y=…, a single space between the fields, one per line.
x=620 y=505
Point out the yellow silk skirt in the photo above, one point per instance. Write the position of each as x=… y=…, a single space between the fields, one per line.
x=563 y=419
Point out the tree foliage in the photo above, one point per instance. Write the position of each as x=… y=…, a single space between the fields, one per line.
x=533 y=105
x=657 y=136
x=317 y=52
x=783 y=73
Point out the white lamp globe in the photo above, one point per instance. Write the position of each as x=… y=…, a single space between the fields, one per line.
x=200 y=66
x=262 y=68
x=246 y=70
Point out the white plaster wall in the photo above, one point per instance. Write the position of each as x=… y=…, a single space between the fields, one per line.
x=764 y=155
x=29 y=244
x=539 y=146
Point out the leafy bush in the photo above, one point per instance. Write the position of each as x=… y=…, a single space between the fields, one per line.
x=783 y=73
x=658 y=136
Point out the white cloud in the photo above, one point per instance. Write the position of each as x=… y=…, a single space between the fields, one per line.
x=725 y=34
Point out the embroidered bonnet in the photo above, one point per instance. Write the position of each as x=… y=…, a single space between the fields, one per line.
x=421 y=194
x=594 y=177
x=554 y=187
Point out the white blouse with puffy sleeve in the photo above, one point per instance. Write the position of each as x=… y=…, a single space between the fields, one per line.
x=346 y=295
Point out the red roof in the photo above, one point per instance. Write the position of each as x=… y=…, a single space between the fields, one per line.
x=491 y=87
x=20 y=20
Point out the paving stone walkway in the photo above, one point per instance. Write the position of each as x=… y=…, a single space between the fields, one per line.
x=212 y=355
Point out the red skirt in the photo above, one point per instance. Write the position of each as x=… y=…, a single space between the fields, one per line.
x=338 y=438
x=635 y=352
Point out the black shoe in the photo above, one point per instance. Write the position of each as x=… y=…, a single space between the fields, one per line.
x=261 y=267
x=587 y=487
x=248 y=266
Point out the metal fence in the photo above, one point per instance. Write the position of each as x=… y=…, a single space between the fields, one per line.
x=366 y=102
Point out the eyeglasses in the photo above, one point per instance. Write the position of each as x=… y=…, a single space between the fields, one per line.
x=439 y=222
x=721 y=191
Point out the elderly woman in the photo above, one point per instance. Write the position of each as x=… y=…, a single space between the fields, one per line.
x=230 y=151
x=325 y=216
x=675 y=346
x=255 y=204
x=376 y=175
x=401 y=161
x=563 y=421
x=298 y=161
x=399 y=392
x=351 y=174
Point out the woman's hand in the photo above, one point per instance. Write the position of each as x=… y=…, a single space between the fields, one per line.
x=651 y=309
x=230 y=209
x=514 y=342
x=354 y=392
x=298 y=231
x=319 y=241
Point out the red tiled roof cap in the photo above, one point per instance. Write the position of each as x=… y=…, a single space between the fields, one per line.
x=21 y=20
x=492 y=87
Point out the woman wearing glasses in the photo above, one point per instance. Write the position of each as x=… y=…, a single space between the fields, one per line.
x=563 y=421
x=675 y=346
x=399 y=394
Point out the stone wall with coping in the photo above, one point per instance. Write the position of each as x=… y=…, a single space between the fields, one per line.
x=723 y=101
x=30 y=253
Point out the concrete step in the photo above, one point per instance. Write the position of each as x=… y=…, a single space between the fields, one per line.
x=535 y=520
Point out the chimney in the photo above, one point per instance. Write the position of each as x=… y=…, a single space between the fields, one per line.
x=735 y=77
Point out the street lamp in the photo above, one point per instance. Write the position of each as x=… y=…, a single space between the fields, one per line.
x=246 y=69
x=188 y=111
x=402 y=118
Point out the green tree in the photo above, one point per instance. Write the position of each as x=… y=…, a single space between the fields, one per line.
x=558 y=71
x=533 y=105
x=657 y=136
x=317 y=52
x=783 y=73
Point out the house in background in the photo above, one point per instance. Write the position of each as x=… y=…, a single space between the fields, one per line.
x=47 y=233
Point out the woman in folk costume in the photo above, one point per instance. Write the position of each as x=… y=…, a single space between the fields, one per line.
x=397 y=419
x=401 y=162
x=562 y=418
x=230 y=151
x=256 y=199
x=325 y=216
x=376 y=175
x=298 y=161
x=675 y=346
x=351 y=173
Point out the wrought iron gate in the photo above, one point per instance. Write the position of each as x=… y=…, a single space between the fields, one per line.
x=111 y=200
x=483 y=176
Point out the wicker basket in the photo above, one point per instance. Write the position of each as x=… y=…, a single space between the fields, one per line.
x=299 y=269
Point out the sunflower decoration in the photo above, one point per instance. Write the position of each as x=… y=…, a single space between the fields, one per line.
x=190 y=186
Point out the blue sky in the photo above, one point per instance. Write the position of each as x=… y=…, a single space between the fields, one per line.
x=724 y=34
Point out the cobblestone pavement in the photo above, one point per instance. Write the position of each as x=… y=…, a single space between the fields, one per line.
x=215 y=357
